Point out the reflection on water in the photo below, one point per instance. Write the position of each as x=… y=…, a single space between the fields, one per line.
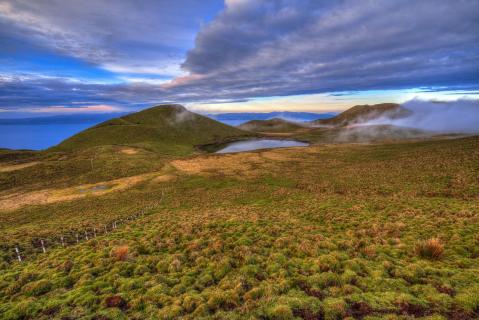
x=248 y=145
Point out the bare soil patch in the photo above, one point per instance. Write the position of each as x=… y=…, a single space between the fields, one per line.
x=13 y=167
x=17 y=200
x=129 y=151
x=244 y=164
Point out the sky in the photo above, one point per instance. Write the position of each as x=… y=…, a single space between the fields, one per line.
x=94 y=56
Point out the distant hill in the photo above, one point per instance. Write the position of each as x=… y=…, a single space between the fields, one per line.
x=169 y=129
x=363 y=134
x=241 y=117
x=272 y=125
x=362 y=113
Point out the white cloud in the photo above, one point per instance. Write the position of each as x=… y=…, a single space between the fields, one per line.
x=452 y=116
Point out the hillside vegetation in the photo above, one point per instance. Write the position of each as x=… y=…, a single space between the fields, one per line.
x=362 y=134
x=385 y=231
x=362 y=113
x=134 y=144
x=349 y=126
x=169 y=129
x=271 y=125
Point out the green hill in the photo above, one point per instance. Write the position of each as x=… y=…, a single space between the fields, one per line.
x=364 y=113
x=163 y=128
x=271 y=125
x=362 y=134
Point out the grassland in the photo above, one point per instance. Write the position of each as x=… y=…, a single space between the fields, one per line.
x=325 y=232
x=165 y=129
x=361 y=113
x=271 y=125
x=135 y=144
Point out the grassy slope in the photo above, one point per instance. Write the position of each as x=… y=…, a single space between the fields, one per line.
x=272 y=125
x=158 y=134
x=169 y=129
x=364 y=112
x=339 y=129
x=361 y=134
x=325 y=232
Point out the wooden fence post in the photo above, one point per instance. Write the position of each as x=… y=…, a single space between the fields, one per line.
x=19 y=257
x=43 y=246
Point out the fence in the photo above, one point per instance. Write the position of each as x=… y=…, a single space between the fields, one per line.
x=73 y=237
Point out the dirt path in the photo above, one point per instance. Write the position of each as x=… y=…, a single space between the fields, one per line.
x=13 y=167
x=17 y=200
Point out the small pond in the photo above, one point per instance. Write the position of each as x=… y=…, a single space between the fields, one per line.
x=256 y=144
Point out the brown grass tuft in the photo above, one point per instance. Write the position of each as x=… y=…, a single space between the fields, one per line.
x=121 y=253
x=430 y=249
x=116 y=302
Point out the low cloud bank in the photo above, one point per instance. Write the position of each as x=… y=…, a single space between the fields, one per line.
x=461 y=116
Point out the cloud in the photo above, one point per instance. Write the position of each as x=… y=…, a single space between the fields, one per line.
x=263 y=48
x=461 y=116
x=122 y=36
x=100 y=108
x=251 y=49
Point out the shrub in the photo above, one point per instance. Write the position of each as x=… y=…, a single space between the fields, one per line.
x=430 y=249
x=121 y=253
x=329 y=262
x=326 y=279
x=349 y=276
x=175 y=265
x=87 y=299
x=254 y=294
x=204 y=281
x=191 y=302
x=37 y=288
x=169 y=312
x=222 y=299
x=468 y=300
x=280 y=312
x=334 y=308
x=141 y=269
x=162 y=266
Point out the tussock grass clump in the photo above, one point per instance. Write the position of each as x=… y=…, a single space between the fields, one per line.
x=468 y=300
x=120 y=253
x=280 y=312
x=37 y=288
x=430 y=249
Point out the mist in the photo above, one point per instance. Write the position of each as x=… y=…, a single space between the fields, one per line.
x=461 y=116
